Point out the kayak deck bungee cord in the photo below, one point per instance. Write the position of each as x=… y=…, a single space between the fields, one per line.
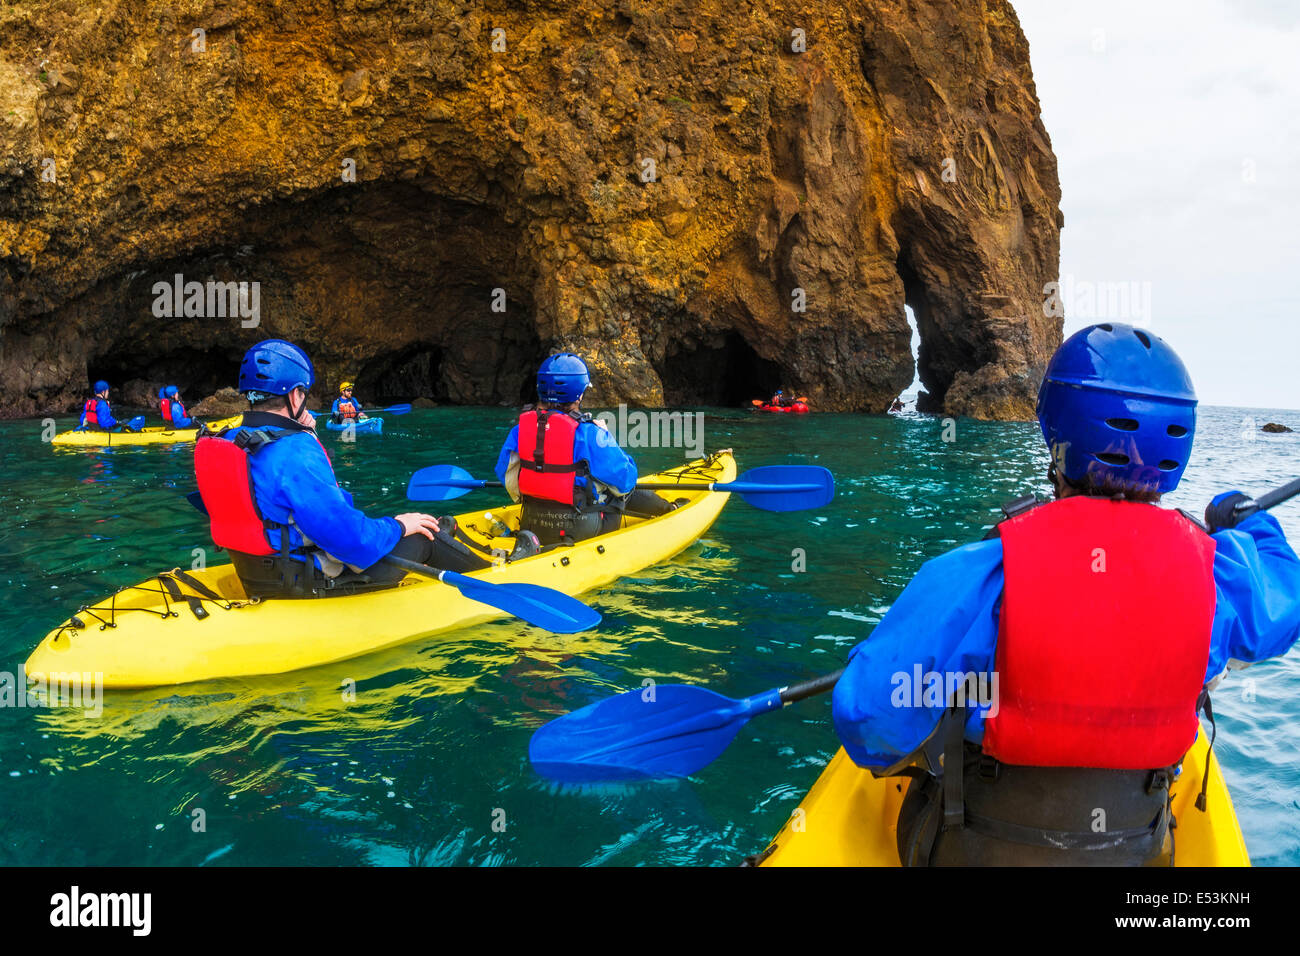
x=184 y=626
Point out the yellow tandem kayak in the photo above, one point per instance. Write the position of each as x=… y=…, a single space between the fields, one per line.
x=849 y=818
x=154 y=435
x=142 y=636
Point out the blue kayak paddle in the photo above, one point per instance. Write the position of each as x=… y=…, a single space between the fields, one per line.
x=544 y=607
x=540 y=606
x=770 y=488
x=134 y=425
x=671 y=730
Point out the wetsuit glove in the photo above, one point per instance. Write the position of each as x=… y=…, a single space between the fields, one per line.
x=1221 y=512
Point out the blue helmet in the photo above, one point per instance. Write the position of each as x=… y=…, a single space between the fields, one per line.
x=1117 y=403
x=562 y=378
x=101 y=386
x=275 y=367
x=172 y=391
x=162 y=392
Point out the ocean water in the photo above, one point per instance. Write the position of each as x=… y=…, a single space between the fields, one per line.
x=429 y=765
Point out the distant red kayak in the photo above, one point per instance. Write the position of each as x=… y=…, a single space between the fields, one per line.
x=798 y=408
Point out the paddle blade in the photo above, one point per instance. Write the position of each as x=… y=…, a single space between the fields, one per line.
x=672 y=730
x=791 y=487
x=136 y=423
x=396 y=409
x=441 y=483
x=544 y=607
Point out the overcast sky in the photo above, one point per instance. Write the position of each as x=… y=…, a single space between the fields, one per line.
x=1177 y=129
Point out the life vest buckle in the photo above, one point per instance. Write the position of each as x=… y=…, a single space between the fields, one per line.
x=989 y=768
x=1158 y=780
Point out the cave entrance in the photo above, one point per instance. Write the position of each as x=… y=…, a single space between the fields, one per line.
x=136 y=374
x=928 y=384
x=410 y=293
x=908 y=396
x=723 y=371
x=412 y=372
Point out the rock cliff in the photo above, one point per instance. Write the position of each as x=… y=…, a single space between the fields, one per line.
x=708 y=200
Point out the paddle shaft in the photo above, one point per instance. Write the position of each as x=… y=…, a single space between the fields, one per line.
x=810 y=688
x=1271 y=498
x=414 y=567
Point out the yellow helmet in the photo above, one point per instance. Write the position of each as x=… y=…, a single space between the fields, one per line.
x=345 y=386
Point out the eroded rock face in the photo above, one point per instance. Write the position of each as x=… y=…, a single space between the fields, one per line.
x=653 y=185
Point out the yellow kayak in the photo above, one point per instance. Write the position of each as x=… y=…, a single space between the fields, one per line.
x=144 y=637
x=153 y=435
x=850 y=818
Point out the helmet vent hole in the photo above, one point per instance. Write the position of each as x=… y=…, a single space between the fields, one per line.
x=1113 y=458
x=1176 y=431
x=1143 y=338
x=1108 y=328
x=1168 y=465
x=1123 y=424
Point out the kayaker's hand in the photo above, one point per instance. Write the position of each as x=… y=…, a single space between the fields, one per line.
x=306 y=418
x=600 y=423
x=418 y=524
x=1221 y=512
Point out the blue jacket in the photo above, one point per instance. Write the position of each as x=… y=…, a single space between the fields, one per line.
x=179 y=419
x=293 y=477
x=946 y=620
x=608 y=463
x=103 y=413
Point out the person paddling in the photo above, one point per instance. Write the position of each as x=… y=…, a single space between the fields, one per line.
x=97 y=413
x=573 y=479
x=1060 y=665
x=346 y=408
x=276 y=505
x=173 y=409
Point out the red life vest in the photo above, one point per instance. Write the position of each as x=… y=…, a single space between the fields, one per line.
x=90 y=413
x=347 y=410
x=1103 y=637
x=226 y=487
x=547 y=469
x=165 y=406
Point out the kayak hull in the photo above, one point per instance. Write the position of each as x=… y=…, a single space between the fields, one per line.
x=371 y=426
x=798 y=408
x=850 y=818
x=154 y=435
x=240 y=638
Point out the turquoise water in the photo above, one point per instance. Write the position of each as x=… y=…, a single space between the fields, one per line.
x=433 y=752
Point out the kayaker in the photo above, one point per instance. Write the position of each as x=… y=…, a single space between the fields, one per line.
x=779 y=400
x=573 y=479
x=330 y=546
x=173 y=409
x=1082 y=636
x=346 y=408
x=97 y=413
